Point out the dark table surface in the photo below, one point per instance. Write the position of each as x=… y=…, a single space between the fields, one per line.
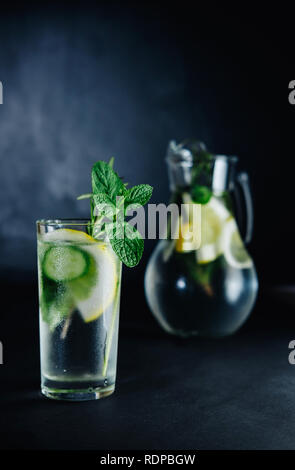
x=233 y=393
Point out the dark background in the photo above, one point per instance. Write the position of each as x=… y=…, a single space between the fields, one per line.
x=87 y=81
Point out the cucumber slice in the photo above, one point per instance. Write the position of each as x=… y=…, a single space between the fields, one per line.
x=65 y=263
x=81 y=287
x=56 y=302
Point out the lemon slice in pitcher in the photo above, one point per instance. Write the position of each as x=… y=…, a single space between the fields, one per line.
x=189 y=228
x=88 y=268
x=214 y=216
x=234 y=250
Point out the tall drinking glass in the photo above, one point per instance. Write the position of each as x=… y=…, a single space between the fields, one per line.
x=79 y=297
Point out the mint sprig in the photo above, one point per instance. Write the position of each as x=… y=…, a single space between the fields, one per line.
x=109 y=202
x=106 y=181
x=139 y=194
x=126 y=242
x=201 y=179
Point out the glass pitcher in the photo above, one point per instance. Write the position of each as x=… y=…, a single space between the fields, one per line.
x=203 y=282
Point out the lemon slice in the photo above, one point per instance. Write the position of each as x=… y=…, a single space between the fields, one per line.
x=189 y=225
x=105 y=288
x=234 y=250
x=94 y=291
x=67 y=235
x=214 y=216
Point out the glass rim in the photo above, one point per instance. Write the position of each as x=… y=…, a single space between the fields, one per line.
x=181 y=153
x=56 y=222
x=190 y=163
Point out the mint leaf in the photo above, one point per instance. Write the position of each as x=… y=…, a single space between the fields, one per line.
x=126 y=242
x=103 y=212
x=102 y=198
x=103 y=206
x=201 y=194
x=130 y=208
x=139 y=194
x=105 y=180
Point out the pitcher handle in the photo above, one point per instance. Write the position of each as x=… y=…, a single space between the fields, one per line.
x=243 y=181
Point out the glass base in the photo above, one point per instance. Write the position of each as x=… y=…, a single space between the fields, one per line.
x=78 y=394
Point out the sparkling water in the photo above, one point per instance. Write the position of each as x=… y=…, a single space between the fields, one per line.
x=79 y=347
